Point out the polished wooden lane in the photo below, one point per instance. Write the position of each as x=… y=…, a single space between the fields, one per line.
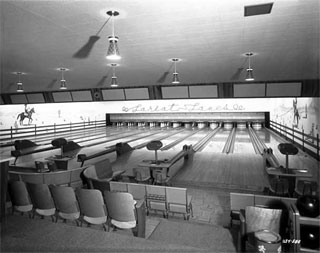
x=204 y=169
x=229 y=171
x=217 y=143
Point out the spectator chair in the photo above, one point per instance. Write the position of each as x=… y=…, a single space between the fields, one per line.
x=178 y=201
x=126 y=213
x=66 y=203
x=42 y=200
x=20 y=198
x=92 y=207
x=156 y=199
x=142 y=175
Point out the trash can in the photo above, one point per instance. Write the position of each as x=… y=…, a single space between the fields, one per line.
x=267 y=241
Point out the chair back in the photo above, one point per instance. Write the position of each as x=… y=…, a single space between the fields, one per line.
x=141 y=173
x=306 y=187
x=176 y=195
x=156 y=190
x=120 y=206
x=41 y=196
x=18 y=193
x=160 y=176
x=258 y=218
x=90 y=172
x=102 y=185
x=103 y=169
x=65 y=199
x=138 y=191
x=91 y=203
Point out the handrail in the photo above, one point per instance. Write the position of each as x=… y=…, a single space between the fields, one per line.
x=9 y=135
x=307 y=142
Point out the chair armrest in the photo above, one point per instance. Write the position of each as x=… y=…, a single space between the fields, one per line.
x=140 y=229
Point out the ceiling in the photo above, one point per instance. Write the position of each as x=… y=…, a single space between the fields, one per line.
x=210 y=37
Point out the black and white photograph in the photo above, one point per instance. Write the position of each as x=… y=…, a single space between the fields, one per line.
x=160 y=126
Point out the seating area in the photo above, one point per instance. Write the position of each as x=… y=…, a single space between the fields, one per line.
x=88 y=206
x=164 y=199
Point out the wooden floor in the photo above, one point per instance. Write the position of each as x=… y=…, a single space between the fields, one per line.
x=243 y=172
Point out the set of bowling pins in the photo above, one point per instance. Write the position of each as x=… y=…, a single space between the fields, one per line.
x=164 y=124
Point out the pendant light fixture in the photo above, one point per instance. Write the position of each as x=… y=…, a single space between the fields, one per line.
x=19 y=83
x=175 y=77
x=113 y=50
x=63 y=85
x=249 y=75
x=114 y=80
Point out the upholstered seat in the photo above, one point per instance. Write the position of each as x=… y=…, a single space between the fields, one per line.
x=125 y=213
x=66 y=203
x=42 y=200
x=101 y=170
x=20 y=198
x=92 y=207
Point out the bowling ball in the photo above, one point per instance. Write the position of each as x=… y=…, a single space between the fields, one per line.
x=310 y=237
x=308 y=206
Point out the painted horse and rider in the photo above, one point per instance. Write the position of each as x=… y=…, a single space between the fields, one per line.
x=26 y=114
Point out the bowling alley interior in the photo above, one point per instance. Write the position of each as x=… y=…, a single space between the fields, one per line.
x=160 y=126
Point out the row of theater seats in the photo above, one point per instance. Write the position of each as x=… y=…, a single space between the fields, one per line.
x=90 y=206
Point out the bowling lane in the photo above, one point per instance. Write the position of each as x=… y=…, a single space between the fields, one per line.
x=243 y=143
x=217 y=143
x=180 y=136
x=192 y=140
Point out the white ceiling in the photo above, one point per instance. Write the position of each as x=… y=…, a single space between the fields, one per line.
x=209 y=36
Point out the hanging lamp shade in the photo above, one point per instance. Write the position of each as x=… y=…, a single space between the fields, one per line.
x=113 y=50
x=19 y=87
x=114 y=79
x=63 y=82
x=249 y=75
x=175 y=78
x=175 y=75
x=19 y=83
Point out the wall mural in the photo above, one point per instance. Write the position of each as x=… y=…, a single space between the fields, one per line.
x=26 y=114
x=299 y=113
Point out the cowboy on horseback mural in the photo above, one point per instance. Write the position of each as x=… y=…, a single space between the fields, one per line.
x=26 y=114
